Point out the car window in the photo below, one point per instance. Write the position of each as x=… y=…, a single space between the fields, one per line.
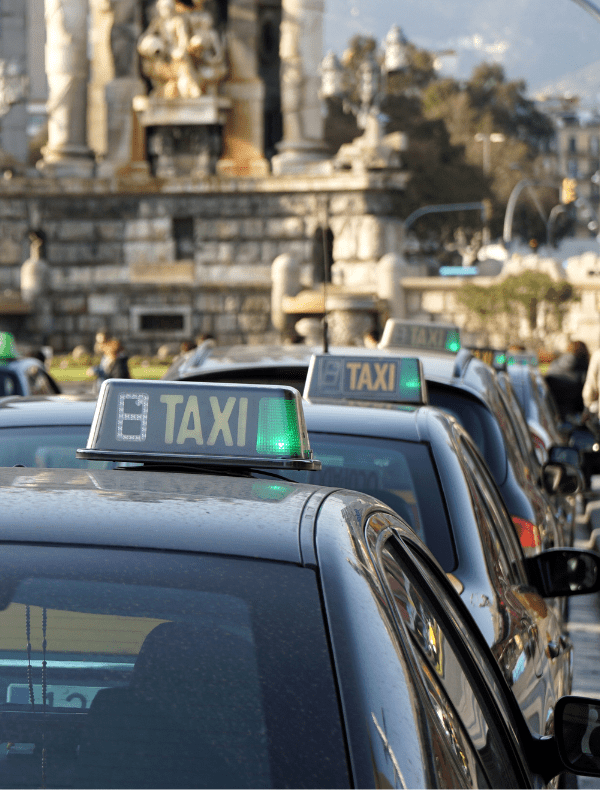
x=50 y=446
x=163 y=671
x=9 y=384
x=400 y=474
x=436 y=638
x=518 y=422
x=496 y=529
x=479 y=421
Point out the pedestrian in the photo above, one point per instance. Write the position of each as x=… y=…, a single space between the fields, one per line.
x=113 y=363
x=566 y=377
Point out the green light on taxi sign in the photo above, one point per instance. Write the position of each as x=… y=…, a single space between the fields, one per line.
x=387 y=379
x=452 y=341
x=172 y=422
x=7 y=346
x=420 y=336
x=277 y=431
x=410 y=379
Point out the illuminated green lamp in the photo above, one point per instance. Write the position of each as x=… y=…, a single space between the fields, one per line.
x=410 y=380
x=7 y=346
x=278 y=433
x=452 y=341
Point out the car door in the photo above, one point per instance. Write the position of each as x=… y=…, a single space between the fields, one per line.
x=533 y=621
x=466 y=687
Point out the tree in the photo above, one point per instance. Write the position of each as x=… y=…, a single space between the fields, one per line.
x=530 y=296
x=441 y=117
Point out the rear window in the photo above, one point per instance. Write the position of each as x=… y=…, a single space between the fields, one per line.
x=400 y=474
x=149 y=670
x=46 y=447
x=479 y=422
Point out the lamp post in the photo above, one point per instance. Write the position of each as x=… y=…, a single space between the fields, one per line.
x=371 y=85
x=487 y=139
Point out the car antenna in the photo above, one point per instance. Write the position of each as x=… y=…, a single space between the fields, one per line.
x=326 y=268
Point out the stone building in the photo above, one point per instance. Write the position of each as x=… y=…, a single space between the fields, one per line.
x=185 y=154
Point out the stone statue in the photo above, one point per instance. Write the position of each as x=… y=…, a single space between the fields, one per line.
x=182 y=53
x=34 y=271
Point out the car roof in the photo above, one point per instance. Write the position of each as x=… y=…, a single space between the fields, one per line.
x=144 y=508
x=34 y=410
x=367 y=419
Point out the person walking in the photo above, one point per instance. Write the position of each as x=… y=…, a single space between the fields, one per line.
x=566 y=377
x=113 y=364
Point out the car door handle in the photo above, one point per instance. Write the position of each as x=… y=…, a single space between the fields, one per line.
x=555 y=648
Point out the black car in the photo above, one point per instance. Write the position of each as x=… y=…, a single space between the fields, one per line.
x=424 y=465
x=457 y=382
x=199 y=623
x=22 y=376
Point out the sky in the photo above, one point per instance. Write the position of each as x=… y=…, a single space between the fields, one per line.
x=539 y=41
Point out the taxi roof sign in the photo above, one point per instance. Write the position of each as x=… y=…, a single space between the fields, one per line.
x=388 y=379
x=420 y=336
x=522 y=357
x=172 y=422
x=490 y=356
x=7 y=346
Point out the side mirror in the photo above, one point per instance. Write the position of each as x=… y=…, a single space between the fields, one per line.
x=565 y=428
x=564 y=571
x=559 y=454
x=561 y=478
x=577 y=734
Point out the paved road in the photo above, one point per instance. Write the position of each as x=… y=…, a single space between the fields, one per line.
x=584 y=629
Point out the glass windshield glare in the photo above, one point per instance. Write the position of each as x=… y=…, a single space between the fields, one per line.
x=46 y=447
x=400 y=474
x=479 y=422
x=163 y=671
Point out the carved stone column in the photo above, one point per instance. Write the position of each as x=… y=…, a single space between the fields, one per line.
x=301 y=50
x=67 y=152
x=113 y=127
x=243 y=135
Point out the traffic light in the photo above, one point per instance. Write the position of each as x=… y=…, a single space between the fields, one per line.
x=568 y=191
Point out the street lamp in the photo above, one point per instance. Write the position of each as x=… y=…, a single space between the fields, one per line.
x=486 y=139
x=371 y=88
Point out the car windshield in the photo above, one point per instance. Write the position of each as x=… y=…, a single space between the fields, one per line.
x=9 y=383
x=479 y=422
x=163 y=671
x=46 y=446
x=400 y=474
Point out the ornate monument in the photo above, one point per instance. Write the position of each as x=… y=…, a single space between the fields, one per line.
x=182 y=53
x=183 y=56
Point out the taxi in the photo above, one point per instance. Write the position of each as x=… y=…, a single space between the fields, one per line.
x=468 y=388
x=22 y=376
x=536 y=428
x=457 y=381
x=370 y=426
x=197 y=622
